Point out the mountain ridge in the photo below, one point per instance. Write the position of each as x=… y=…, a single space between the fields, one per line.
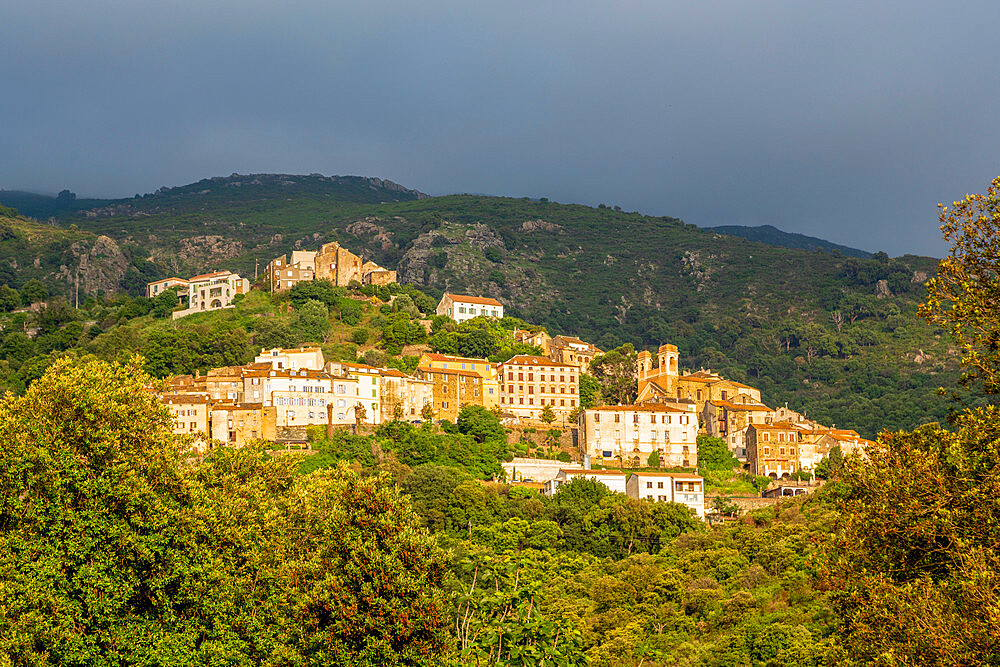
x=771 y=235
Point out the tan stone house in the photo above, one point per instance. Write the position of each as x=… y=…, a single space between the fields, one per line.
x=486 y=369
x=572 y=351
x=452 y=389
x=729 y=420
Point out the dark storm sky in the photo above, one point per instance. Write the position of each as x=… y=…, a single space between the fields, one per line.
x=845 y=120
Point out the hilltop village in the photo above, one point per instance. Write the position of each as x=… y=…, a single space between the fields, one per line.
x=647 y=449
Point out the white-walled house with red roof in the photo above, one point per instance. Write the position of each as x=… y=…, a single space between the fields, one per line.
x=460 y=307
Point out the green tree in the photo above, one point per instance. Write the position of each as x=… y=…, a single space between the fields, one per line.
x=312 y=321
x=34 y=291
x=138 y=557
x=547 y=415
x=9 y=298
x=480 y=423
x=654 y=459
x=964 y=296
x=590 y=391
x=714 y=454
x=615 y=371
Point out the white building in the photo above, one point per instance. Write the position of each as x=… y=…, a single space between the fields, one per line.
x=300 y=397
x=461 y=308
x=366 y=387
x=627 y=434
x=158 y=287
x=292 y=358
x=613 y=479
x=686 y=489
x=213 y=291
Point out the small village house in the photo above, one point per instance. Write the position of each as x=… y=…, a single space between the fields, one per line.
x=670 y=487
x=460 y=307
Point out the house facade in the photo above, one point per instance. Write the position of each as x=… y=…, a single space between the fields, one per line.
x=158 y=287
x=528 y=384
x=452 y=389
x=773 y=449
x=486 y=369
x=668 y=487
x=460 y=307
x=212 y=291
x=729 y=420
x=626 y=435
x=572 y=351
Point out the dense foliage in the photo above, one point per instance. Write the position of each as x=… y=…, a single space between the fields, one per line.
x=113 y=550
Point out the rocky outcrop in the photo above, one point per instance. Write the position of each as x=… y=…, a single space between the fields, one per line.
x=369 y=227
x=540 y=225
x=481 y=236
x=415 y=267
x=208 y=249
x=93 y=266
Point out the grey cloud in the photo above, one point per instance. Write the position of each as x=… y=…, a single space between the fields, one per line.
x=845 y=120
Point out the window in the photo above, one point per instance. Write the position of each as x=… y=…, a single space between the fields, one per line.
x=597 y=417
x=791 y=451
x=635 y=418
x=606 y=454
x=652 y=435
x=618 y=417
x=659 y=485
x=652 y=419
x=781 y=451
x=649 y=485
x=767 y=451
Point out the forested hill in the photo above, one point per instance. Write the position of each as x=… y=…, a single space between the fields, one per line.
x=834 y=335
x=773 y=236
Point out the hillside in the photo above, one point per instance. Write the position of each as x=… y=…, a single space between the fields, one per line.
x=833 y=335
x=774 y=236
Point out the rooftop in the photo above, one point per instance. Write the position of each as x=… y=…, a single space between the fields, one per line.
x=529 y=360
x=583 y=471
x=208 y=276
x=482 y=300
x=642 y=407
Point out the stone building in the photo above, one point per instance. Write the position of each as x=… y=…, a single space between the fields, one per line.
x=452 y=389
x=332 y=262
x=662 y=382
x=529 y=383
x=486 y=369
x=460 y=307
x=191 y=413
x=572 y=351
x=729 y=420
x=539 y=338
x=668 y=487
x=773 y=449
x=238 y=424
x=286 y=272
x=626 y=435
